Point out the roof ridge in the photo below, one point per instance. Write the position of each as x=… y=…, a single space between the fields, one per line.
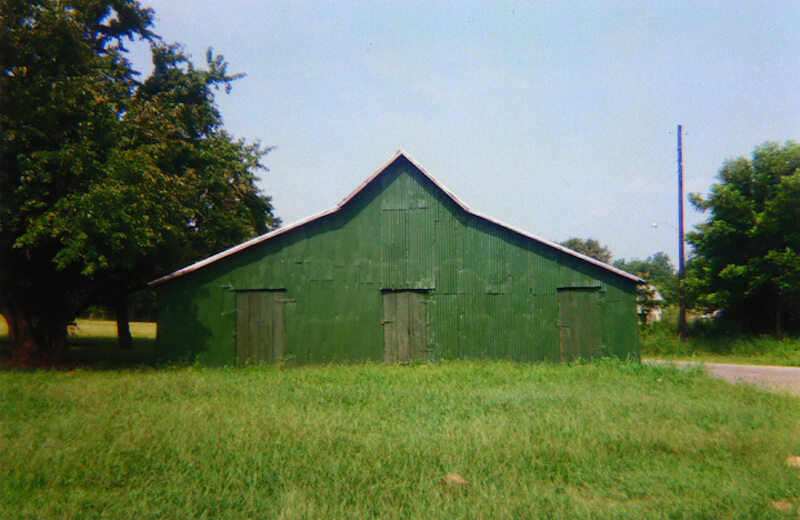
x=400 y=153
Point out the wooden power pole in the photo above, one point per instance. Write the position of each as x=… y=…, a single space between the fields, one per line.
x=681 y=261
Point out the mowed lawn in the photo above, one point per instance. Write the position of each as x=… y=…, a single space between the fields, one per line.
x=601 y=440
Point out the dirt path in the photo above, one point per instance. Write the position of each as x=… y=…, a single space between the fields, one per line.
x=776 y=379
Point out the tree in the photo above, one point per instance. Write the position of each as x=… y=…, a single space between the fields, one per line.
x=658 y=270
x=747 y=254
x=105 y=181
x=589 y=247
x=220 y=203
x=660 y=275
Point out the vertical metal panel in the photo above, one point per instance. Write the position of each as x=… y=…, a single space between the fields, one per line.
x=279 y=325
x=444 y=335
x=579 y=323
x=243 y=339
x=256 y=322
x=260 y=326
x=417 y=326
x=389 y=327
x=404 y=326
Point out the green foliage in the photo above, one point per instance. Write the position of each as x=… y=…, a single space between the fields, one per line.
x=104 y=181
x=601 y=440
x=589 y=247
x=661 y=278
x=658 y=270
x=747 y=254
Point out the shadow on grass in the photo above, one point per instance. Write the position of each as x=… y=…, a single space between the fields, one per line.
x=93 y=344
x=105 y=353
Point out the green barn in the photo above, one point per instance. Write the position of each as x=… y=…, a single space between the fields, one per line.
x=399 y=271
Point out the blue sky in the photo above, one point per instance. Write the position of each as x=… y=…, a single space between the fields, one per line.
x=559 y=118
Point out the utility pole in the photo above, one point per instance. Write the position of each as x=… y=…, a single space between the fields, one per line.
x=681 y=262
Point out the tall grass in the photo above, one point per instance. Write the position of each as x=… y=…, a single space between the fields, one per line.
x=708 y=341
x=602 y=440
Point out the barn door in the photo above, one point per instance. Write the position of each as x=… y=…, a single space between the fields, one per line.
x=403 y=326
x=260 y=326
x=579 y=323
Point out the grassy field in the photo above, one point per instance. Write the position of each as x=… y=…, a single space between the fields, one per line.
x=602 y=440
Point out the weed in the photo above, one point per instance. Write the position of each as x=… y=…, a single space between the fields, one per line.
x=709 y=341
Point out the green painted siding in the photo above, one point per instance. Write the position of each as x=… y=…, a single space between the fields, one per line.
x=489 y=291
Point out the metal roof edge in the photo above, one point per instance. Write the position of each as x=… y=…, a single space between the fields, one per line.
x=496 y=222
x=400 y=153
x=561 y=248
x=261 y=238
x=239 y=247
x=436 y=183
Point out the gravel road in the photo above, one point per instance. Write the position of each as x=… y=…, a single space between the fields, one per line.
x=776 y=379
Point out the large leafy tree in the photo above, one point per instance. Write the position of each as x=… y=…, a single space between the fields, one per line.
x=105 y=181
x=747 y=254
x=217 y=203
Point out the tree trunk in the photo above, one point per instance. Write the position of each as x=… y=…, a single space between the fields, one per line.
x=778 y=318
x=123 y=324
x=36 y=340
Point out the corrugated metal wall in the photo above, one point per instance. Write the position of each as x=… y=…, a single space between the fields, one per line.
x=490 y=292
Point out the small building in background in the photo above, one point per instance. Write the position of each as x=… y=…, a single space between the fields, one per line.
x=399 y=271
x=650 y=304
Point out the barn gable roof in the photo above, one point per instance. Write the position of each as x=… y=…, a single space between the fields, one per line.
x=400 y=154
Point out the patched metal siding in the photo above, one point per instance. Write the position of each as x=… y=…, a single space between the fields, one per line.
x=490 y=292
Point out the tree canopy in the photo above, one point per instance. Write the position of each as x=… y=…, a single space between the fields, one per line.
x=658 y=270
x=589 y=247
x=660 y=275
x=105 y=180
x=746 y=256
